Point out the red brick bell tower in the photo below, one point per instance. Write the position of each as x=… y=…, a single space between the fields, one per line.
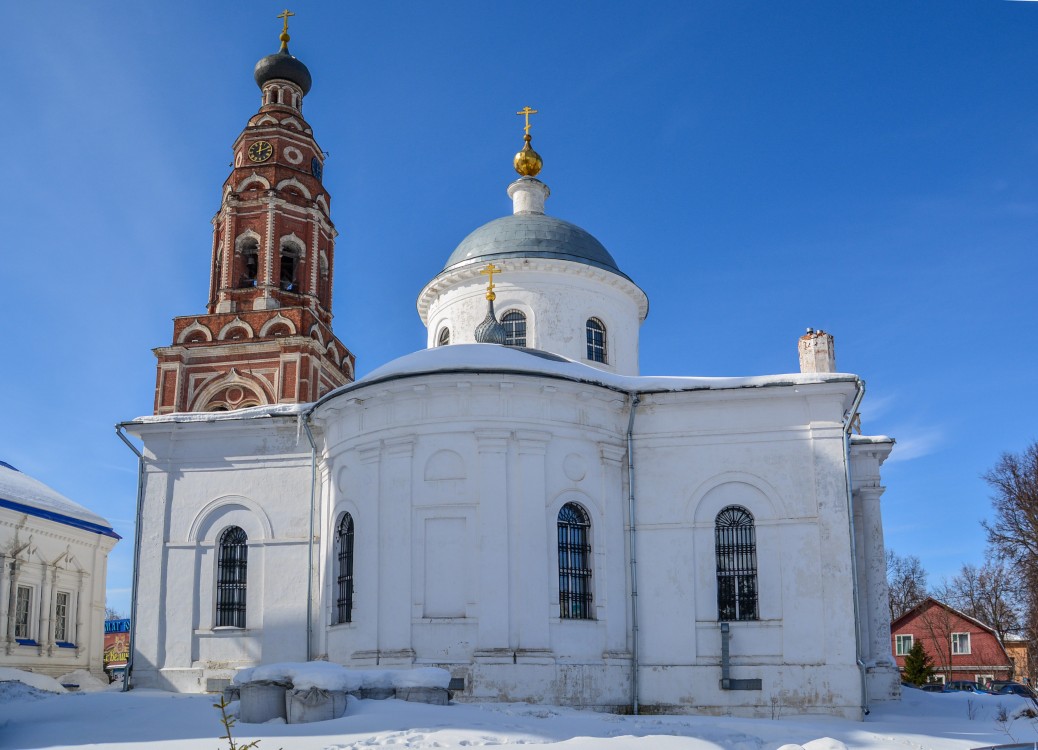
x=266 y=336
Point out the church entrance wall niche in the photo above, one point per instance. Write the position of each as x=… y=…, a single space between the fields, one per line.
x=716 y=502
x=574 y=526
x=211 y=525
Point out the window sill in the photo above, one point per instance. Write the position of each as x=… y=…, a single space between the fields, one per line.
x=26 y=642
x=64 y=644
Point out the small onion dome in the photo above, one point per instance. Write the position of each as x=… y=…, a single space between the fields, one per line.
x=528 y=162
x=490 y=331
x=284 y=66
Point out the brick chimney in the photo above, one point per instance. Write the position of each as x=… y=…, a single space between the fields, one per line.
x=817 y=353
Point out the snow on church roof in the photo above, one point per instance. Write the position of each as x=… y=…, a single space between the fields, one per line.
x=23 y=494
x=477 y=358
x=496 y=359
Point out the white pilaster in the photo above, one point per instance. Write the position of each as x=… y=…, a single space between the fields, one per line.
x=493 y=545
x=532 y=545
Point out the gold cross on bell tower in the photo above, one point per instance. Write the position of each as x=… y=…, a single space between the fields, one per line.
x=527 y=111
x=286 y=14
x=489 y=270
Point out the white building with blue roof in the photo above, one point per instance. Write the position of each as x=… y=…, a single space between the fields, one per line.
x=53 y=568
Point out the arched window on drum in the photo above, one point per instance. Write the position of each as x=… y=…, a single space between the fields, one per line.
x=515 y=326
x=735 y=544
x=596 y=340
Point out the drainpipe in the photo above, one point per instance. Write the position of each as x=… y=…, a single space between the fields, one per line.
x=848 y=419
x=310 y=544
x=634 y=560
x=136 y=557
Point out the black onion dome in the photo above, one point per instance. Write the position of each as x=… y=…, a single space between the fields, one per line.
x=284 y=66
x=490 y=331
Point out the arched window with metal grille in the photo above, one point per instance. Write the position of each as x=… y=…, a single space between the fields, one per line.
x=515 y=325
x=736 y=548
x=344 y=579
x=444 y=338
x=231 y=578
x=574 y=563
x=596 y=340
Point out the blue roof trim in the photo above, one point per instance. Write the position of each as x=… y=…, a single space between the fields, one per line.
x=59 y=518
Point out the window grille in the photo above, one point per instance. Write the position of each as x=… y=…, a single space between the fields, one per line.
x=344 y=581
x=596 y=340
x=444 y=337
x=574 y=563
x=736 y=549
x=232 y=578
x=61 y=616
x=21 y=612
x=515 y=326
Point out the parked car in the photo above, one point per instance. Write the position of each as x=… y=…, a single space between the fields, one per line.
x=1015 y=688
x=934 y=687
x=965 y=686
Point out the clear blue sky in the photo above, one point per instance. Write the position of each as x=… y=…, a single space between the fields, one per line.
x=756 y=167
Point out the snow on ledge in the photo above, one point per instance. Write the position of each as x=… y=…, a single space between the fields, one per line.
x=324 y=675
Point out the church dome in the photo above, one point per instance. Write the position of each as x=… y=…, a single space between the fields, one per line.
x=282 y=65
x=532 y=235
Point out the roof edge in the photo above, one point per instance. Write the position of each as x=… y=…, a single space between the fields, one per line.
x=61 y=518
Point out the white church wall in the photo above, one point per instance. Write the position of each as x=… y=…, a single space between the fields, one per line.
x=200 y=479
x=748 y=448
x=455 y=481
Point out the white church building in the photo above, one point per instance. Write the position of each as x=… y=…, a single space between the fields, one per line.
x=514 y=503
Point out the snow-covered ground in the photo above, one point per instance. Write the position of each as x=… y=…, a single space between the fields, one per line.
x=33 y=718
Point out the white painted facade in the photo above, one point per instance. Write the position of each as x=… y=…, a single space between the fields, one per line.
x=454 y=464
x=53 y=565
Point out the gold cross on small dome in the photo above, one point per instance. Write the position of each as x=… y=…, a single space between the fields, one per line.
x=527 y=111
x=489 y=270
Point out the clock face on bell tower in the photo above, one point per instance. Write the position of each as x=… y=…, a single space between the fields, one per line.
x=260 y=151
x=266 y=335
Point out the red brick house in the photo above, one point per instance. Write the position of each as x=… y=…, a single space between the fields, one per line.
x=961 y=648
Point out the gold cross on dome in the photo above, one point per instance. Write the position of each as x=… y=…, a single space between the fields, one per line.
x=527 y=111
x=489 y=270
x=286 y=15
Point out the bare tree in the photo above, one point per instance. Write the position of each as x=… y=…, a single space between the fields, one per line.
x=990 y=593
x=111 y=613
x=906 y=580
x=939 y=624
x=1014 y=532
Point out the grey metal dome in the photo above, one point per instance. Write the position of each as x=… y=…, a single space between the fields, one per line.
x=532 y=235
x=285 y=66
